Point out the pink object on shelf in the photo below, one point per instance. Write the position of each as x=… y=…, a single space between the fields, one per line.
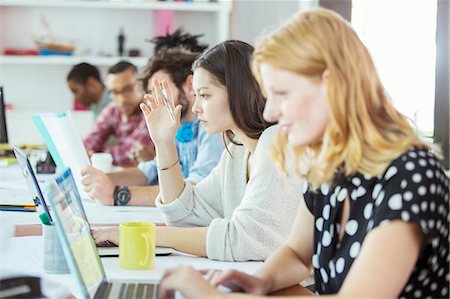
x=164 y=22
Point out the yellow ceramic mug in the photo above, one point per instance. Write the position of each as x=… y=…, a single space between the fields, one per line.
x=137 y=245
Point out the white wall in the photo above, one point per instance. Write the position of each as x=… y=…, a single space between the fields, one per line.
x=254 y=18
x=21 y=128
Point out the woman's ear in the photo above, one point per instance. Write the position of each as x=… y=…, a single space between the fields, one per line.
x=325 y=75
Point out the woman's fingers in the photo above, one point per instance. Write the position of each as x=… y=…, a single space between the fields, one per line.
x=177 y=112
x=145 y=109
x=169 y=94
x=233 y=280
x=104 y=235
x=99 y=236
x=157 y=92
x=151 y=102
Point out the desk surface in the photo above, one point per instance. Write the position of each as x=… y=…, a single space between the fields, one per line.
x=25 y=256
x=13 y=189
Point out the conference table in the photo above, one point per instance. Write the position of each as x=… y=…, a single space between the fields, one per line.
x=22 y=243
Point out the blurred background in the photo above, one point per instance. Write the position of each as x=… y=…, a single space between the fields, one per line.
x=40 y=40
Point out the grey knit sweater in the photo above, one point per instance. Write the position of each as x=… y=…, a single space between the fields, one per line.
x=247 y=220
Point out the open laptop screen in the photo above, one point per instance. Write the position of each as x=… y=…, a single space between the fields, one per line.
x=3 y=130
x=74 y=233
x=32 y=183
x=66 y=183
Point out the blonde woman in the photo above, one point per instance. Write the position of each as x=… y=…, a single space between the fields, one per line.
x=375 y=217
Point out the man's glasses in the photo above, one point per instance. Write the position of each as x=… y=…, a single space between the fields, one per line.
x=127 y=90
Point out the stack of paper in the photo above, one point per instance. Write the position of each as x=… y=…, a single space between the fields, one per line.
x=64 y=143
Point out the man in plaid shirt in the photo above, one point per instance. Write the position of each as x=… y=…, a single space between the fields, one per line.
x=122 y=119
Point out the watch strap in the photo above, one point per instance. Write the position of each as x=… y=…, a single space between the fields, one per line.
x=115 y=195
x=122 y=195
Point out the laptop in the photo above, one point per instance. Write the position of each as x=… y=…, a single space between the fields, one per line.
x=82 y=256
x=67 y=184
x=32 y=183
x=3 y=129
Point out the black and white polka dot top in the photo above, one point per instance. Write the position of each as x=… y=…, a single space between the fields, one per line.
x=413 y=188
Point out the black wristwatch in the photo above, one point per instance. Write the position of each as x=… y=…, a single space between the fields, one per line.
x=122 y=195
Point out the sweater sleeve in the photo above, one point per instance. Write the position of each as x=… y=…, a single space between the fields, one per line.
x=263 y=219
x=198 y=204
x=247 y=221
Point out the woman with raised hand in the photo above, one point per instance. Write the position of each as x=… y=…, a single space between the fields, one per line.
x=374 y=222
x=243 y=210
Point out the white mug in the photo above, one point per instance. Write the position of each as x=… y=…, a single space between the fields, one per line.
x=102 y=161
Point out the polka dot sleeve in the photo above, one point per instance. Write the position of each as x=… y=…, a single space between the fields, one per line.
x=309 y=200
x=414 y=188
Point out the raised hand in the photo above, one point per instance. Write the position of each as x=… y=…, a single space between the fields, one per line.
x=161 y=127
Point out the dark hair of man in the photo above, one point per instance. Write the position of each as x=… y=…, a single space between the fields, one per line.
x=178 y=39
x=229 y=64
x=81 y=72
x=175 y=62
x=122 y=66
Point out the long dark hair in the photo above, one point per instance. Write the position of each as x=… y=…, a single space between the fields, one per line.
x=229 y=64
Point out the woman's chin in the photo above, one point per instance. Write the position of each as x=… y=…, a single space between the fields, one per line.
x=296 y=141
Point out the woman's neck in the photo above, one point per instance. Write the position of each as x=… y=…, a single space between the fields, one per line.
x=249 y=143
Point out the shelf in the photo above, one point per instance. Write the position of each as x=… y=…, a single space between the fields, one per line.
x=68 y=60
x=220 y=6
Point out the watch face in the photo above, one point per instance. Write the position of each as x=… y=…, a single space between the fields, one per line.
x=123 y=196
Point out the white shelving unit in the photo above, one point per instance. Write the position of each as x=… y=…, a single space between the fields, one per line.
x=183 y=6
x=222 y=8
x=68 y=60
x=38 y=83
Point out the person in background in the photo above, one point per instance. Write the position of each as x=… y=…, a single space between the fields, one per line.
x=229 y=215
x=179 y=38
x=198 y=151
x=122 y=118
x=87 y=87
x=375 y=218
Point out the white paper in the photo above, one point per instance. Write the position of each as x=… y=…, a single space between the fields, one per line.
x=68 y=144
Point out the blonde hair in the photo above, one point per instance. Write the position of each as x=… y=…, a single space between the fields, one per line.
x=364 y=133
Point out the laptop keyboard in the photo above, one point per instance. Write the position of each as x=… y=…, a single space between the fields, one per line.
x=106 y=244
x=128 y=291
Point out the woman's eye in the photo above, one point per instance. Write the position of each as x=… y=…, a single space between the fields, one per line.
x=204 y=96
x=279 y=93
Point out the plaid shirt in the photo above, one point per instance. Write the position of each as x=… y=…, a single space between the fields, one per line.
x=128 y=132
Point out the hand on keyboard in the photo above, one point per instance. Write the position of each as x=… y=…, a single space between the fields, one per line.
x=106 y=244
x=101 y=236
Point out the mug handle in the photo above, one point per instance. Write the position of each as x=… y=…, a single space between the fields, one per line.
x=146 y=236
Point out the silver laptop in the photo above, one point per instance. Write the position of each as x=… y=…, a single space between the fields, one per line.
x=66 y=183
x=82 y=256
x=32 y=183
